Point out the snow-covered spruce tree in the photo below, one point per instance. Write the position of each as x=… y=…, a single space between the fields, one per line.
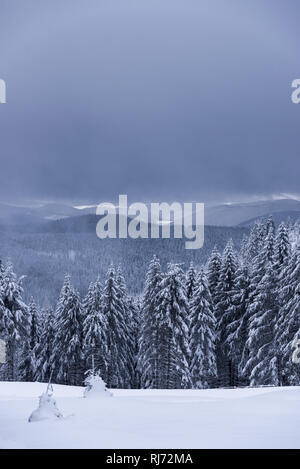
x=294 y=234
x=2 y=270
x=270 y=225
x=190 y=284
x=282 y=254
x=244 y=249
x=262 y=260
x=191 y=279
x=172 y=320
x=257 y=270
x=255 y=241
x=262 y=363
x=95 y=331
x=258 y=265
x=135 y=308
x=67 y=355
x=148 y=361
x=124 y=300
x=117 y=340
x=28 y=363
x=203 y=335
x=289 y=277
x=2 y=326
x=269 y=242
x=282 y=247
x=290 y=370
x=15 y=320
x=44 y=349
x=288 y=323
x=227 y=374
x=237 y=327
x=213 y=272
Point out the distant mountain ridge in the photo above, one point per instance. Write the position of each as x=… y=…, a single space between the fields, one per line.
x=230 y=214
x=245 y=214
x=278 y=217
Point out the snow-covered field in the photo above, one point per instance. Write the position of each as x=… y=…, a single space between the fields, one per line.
x=234 y=418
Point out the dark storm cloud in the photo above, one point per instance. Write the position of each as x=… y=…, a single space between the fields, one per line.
x=173 y=99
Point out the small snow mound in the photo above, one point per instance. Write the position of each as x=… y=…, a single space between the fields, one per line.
x=95 y=387
x=46 y=410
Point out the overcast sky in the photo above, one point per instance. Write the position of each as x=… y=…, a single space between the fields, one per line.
x=167 y=99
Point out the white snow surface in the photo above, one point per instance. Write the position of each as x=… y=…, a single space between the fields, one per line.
x=216 y=418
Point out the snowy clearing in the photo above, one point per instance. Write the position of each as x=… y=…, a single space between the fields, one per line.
x=217 y=418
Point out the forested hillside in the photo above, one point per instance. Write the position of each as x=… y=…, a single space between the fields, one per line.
x=71 y=246
x=231 y=321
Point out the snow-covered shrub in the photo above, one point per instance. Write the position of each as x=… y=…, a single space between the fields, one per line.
x=95 y=387
x=47 y=409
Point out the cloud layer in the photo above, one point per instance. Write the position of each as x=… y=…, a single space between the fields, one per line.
x=173 y=99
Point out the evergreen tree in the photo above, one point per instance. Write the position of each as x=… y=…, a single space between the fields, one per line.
x=191 y=279
x=190 y=285
x=28 y=358
x=270 y=225
x=256 y=240
x=294 y=234
x=262 y=363
x=15 y=319
x=203 y=335
x=172 y=317
x=128 y=324
x=67 y=354
x=95 y=331
x=44 y=348
x=213 y=272
x=282 y=247
x=262 y=260
x=244 y=249
x=117 y=340
x=269 y=243
x=291 y=332
x=257 y=270
x=148 y=361
x=135 y=308
x=224 y=315
x=288 y=323
x=237 y=327
x=2 y=324
x=2 y=272
x=281 y=263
